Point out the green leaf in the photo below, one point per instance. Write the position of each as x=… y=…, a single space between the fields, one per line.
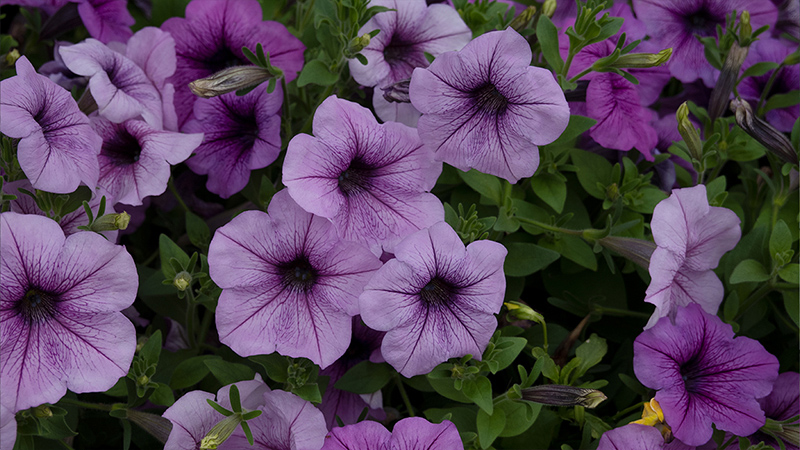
x=790 y=273
x=525 y=258
x=309 y=392
x=487 y=185
x=163 y=395
x=152 y=349
x=227 y=372
x=593 y=171
x=786 y=100
x=197 y=230
x=276 y=366
x=189 y=372
x=490 y=427
x=551 y=189
x=577 y=125
x=365 y=377
x=731 y=306
x=547 y=34
x=781 y=239
x=167 y=250
x=76 y=199
x=791 y=301
x=758 y=69
x=506 y=350
x=442 y=383
x=591 y=352
x=520 y=415
x=573 y=248
x=55 y=426
x=749 y=270
x=316 y=72
x=479 y=390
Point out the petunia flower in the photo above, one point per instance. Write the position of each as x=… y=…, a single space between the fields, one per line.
x=407 y=32
x=135 y=159
x=120 y=88
x=436 y=299
x=370 y=180
x=691 y=237
x=60 y=321
x=704 y=375
x=787 y=80
x=781 y=404
x=57 y=148
x=486 y=108
x=211 y=38
x=240 y=134
x=289 y=283
x=676 y=23
x=106 y=20
x=8 y=426
x=411 y=433
x=638 y=437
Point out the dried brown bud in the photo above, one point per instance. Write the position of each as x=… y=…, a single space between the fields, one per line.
x=558 y=395
x=229 y=80
x=766 y=134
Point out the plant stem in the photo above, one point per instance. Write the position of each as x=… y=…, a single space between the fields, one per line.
x=765 y=289
x=620 y=312
x=627 y=411
x=404 y=395
x=767 y=88
x=580 y=75
x=547 y=227
x=174 y=191
x=87 y=405
x=191 y=307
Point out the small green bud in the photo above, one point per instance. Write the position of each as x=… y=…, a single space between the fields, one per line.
x=220 y=432
x=745 y=29
x=12 y=57
x=549 y=8
x=182 y=280
x=230 y=80
x=523 y=20
x=521 y=311
x=558 y=395
x=642 y=60
x=42 y=411
x=357 y=44
x=110 y=222
x=689 y=132
x=143 y=380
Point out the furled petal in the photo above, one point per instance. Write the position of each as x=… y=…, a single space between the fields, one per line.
x=106 y=20
x=154 y=51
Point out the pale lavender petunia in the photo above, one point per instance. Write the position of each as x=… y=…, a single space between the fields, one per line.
x=436 y=299
x=106 y=20
x=635 y=436
x=676 y=23
x=786 y=81
x=371 y=180
x=411 y=433
x=407 y=32
x=120 y=88
x=135 y=159
x=704 y=375
x=486 y=108
x=57 y=148
x=691 y=237
x=8 y=426
x=781 y=404
x=211 y=38
x=241 y=134
x=60 y=321
x=289 y=283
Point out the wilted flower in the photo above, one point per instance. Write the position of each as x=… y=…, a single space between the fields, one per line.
x=486 y=108
x=411 y=433
x=289 y=283
x=704 y=375
x=766 y=134
x=558 y=395
x=436 y=299
x=60 y=325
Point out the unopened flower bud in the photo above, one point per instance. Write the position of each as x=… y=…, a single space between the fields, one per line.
x=42 y=411
x=182 y=280
x=558 y=395
x=398 y=92
x=642 y=60
x=549 y=8
x=689 y=133
x=154 y=424
x=143 y=380
x=220 y=432
x=357 y=44
x=523 y=20
x=521 y=311
x=229 y=80
x=766 y=134
x=745 y=29
x=727 y=80
x=110 y=222
x=12 y=57
x=637 y=251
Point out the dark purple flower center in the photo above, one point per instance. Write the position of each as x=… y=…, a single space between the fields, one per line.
x=356 y=178
x=489 y=100
x=223 y=59
x=397 y=50
x=437 y=292
x=123 y=148
x=702 y=22
x=37 y=305
x=299 y=274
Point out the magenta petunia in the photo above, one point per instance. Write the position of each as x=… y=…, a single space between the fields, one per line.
x=135 y=159
x=60 y=321
x=781 y=404
x=691 y=237
x=486 y=108
x=57 y=148
x=407 y=32
x=704 y=375
x=106 y=20
x=411 y=433
x=436 y=299
x=240 y=134
x=638 y=437
x=371 y=180
x=289 y=283
x=676 y=23
x=211 y=38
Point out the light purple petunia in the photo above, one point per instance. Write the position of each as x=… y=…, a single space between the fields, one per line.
x=8 y=426
x=57 y=148
x=635 y=436
x=60 y=321
x=486 y=108
x=411 y=433
x=241 y=134
x=704 y=375
x=135 y=159
x=370 y=179
x=289 y=283
x=787 y=80
x=106 y=20
x=781 y=404
x=407 y=32
x=211 y=38
x=436 y=299
x=120 y=88
x=691 y=237
x=676 y=23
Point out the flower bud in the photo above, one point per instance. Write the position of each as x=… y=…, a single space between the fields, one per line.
x=182 y=280
x=12 y=57
x=521 y=311
x=110 y=222
x=220 y=432
x=642 y=60
x=745 y=29
x=727 y=80
x=689 y=132
x=42 y=411
x=766 y=134
x=357 y=44
x=229 y=80
x=549 y=7
x=523 y=20
x=154 y=424
x=637 y=251
x=558 y=395
x=397 y=92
